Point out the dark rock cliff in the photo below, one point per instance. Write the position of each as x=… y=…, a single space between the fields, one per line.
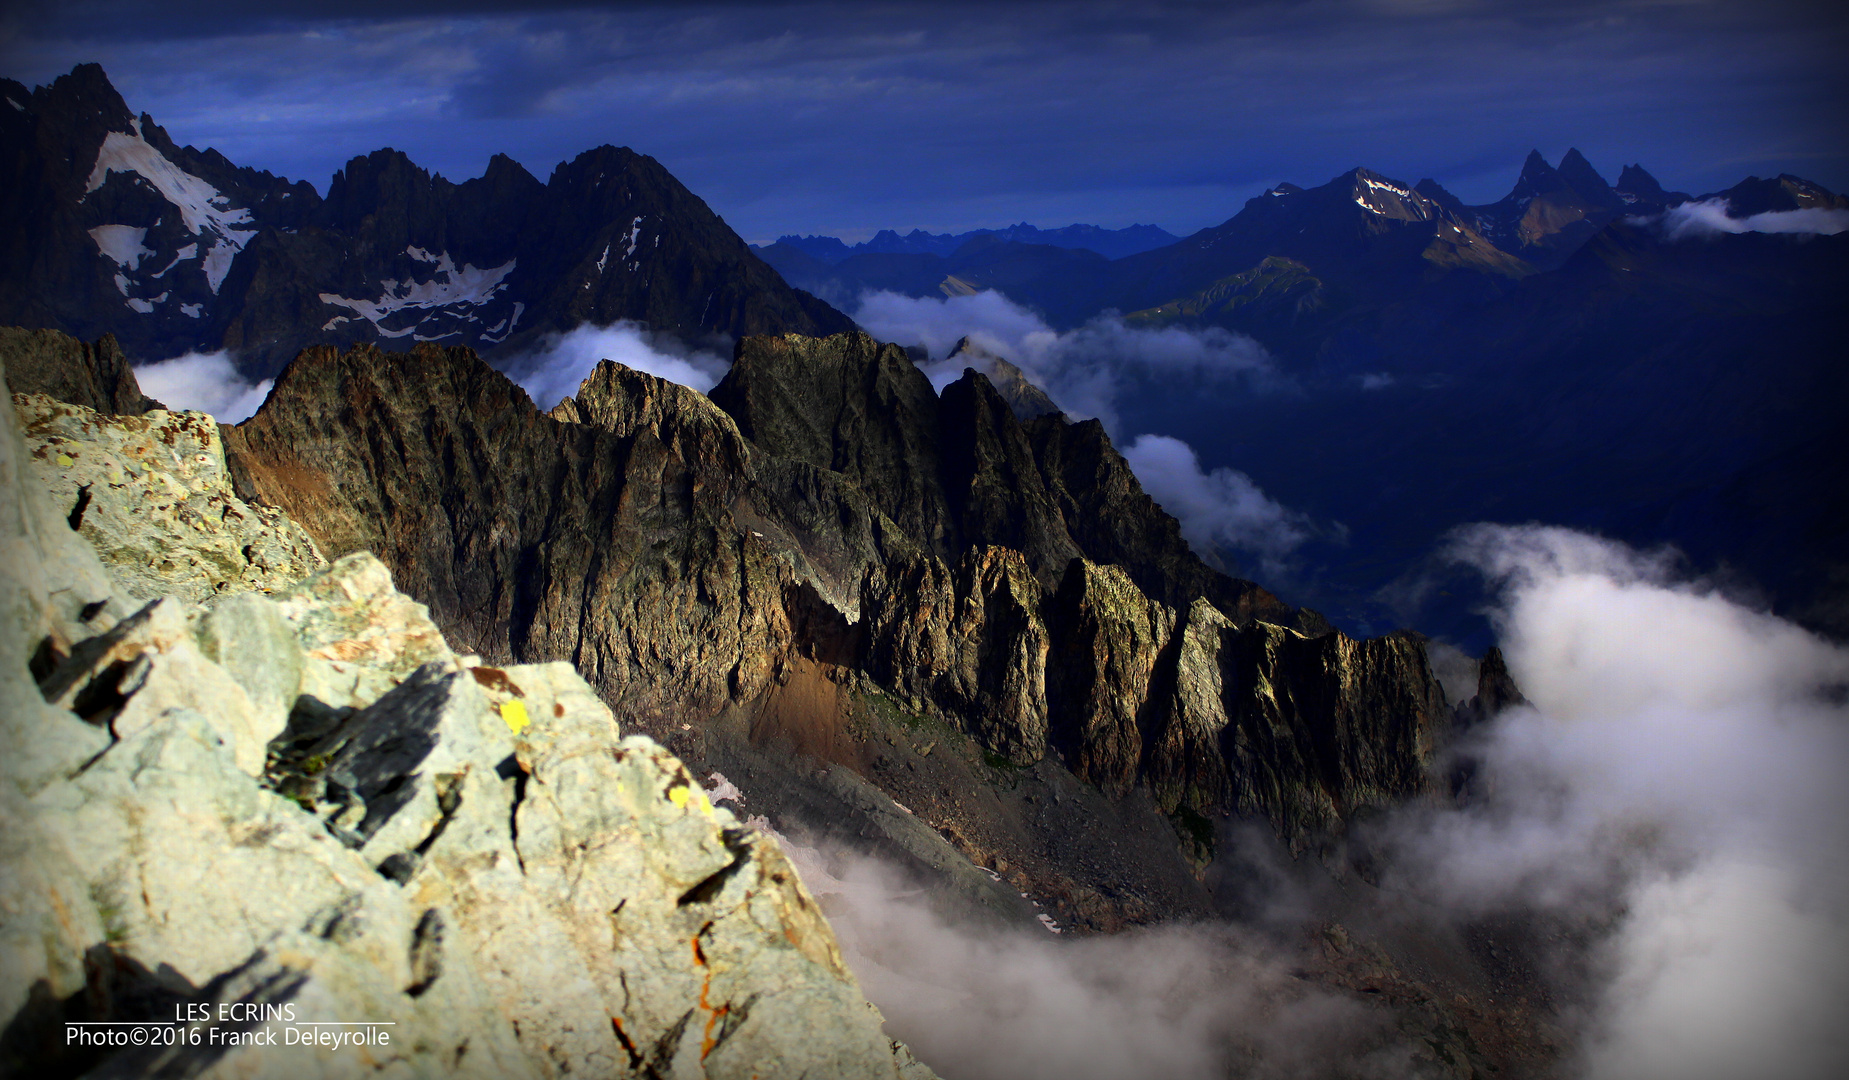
x=1012 y=580
x=61 y=367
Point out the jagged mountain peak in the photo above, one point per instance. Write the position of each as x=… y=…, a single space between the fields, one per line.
x=503 y=169
x=1383 y=195
x=1360 y=186
x=1639 y=189
x=1023 y=396
x=604 y=158
x=1586 y=181
x=1574 y=167
x=87 y=88
x=1537 y=178
x=1574 y=178
x=1783 y=192
x=1635 y=181
x=1439 y=194
x=115 y=229
x=385 y=174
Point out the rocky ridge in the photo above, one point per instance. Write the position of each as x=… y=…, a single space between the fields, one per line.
x=97 y=377
x=395 y=833
x=834 y=555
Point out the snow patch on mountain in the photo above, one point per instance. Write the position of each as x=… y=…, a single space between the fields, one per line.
x=1406 y=199
x=190 y=251
x=122 y=243
x=146 y=307
x=448 y=285
x=205 y=210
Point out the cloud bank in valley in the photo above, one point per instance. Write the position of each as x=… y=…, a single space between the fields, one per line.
x=1181 y=1002
x=552 y=369
x=1679 y=779
x=1672 y=797
x=1709 y=217
x=206 y=382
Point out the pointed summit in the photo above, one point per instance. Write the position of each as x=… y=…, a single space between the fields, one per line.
x=1586 y=181
x=85 y=90
x=1640 y=185
x=1382 y=195
x=1784 y=192
x=1439 y=194
x=1576 y=168
x=1639 y=189
x=1538 y=178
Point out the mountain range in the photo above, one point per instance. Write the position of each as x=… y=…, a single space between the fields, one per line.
x=1110 y=243
x=110 y=227
x=945 y=626
x=1418 y=330
x=1567 y=354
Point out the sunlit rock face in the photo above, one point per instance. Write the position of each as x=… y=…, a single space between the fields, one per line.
x=825 y=547
x=307 y=804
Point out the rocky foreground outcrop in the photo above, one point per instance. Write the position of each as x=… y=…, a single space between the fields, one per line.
x=131 y=484
x=304 y=808
x=825 y=515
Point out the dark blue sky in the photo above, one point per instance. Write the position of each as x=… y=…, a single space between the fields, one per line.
x=845 y=118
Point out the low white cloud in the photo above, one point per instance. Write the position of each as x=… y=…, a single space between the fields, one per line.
x=1722 y=971
x=1217 y=508
x=1678 y=786
x=206 y=382
x=552 y=370
x=984 y=1002
x=1083 y=369
x=1667 y=818
x=1710 y=217
x=938 y=322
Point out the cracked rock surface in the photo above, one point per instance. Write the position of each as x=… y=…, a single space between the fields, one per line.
x=308 y=799
x=151 y=494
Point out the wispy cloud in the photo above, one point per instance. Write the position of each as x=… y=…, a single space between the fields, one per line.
x=982 y=1002
x=553 y=369
x=207 y=382
x=1677 y=785
x=1083 y=370
x=1710 y=217
x=1671 y=807
x=1218 y=508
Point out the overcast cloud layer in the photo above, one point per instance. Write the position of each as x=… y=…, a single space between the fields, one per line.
x=846 y=118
